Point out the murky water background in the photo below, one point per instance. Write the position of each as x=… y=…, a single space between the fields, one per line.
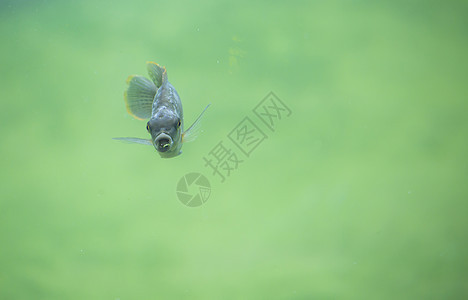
x=360 y=193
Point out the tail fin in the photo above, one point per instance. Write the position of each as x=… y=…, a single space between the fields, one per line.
x=139 y=96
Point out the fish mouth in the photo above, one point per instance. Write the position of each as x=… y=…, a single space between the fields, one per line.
x=163 y=142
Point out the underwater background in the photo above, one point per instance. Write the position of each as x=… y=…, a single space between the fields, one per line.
x=358 y=192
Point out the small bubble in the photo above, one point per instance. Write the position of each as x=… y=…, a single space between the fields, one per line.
x=217 y=61
x=409 y=192
x=198 y=29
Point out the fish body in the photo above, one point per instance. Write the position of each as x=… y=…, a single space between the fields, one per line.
x=158 y=101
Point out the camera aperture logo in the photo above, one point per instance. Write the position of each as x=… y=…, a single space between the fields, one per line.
x=193 y=189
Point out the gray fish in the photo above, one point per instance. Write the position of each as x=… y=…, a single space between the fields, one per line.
x=158 y=101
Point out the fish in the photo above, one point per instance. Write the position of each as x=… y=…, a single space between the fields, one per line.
x=158 y=101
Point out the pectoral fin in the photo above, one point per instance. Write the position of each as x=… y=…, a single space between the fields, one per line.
x=192 y=132
x=134 y=140
x=139 y=96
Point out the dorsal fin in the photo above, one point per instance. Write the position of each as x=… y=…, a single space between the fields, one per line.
x=164 y=76
x=157 y=73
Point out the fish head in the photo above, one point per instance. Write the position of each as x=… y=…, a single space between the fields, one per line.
x=166 y=133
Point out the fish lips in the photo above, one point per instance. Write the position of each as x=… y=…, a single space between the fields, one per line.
x=163 y=142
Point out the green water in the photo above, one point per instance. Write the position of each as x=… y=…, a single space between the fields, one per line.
x=359 y=194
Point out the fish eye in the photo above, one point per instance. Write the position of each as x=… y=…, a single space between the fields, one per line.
x=147 y=127
x=178 y=124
